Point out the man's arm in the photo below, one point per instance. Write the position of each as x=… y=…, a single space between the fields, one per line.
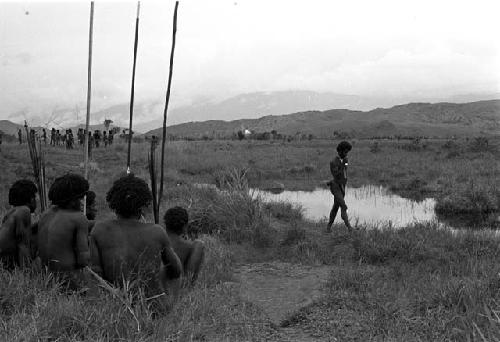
x=171 y=262
x=171 y=268
x=82 y=241
x=22 y=222
x=95 y=256
x=194 y=261
x=336 y=168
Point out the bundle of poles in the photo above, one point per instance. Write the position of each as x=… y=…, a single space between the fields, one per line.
x=38 y=164
x=157 y=193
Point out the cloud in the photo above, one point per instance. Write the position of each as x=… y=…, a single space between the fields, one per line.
x=400 y=72
x=23 y=58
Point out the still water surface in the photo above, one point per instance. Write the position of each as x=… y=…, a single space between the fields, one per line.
x=368 y=204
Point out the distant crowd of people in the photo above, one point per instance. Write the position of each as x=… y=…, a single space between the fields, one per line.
x=97 y=138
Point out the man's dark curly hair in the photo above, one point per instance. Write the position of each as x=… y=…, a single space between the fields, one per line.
x=128 y=195
x=175 y=219
x=21 y=192
x=67 y=188
x=344 y=146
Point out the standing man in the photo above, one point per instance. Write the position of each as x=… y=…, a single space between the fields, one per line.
x=338 y=168
x=105 y=138
x=53 y=137
x=20 y=136
x=44 y=136
x=110 y=137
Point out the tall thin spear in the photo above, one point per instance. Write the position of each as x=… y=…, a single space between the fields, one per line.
x=132 y=87
x=164 y=137
x=89 y=87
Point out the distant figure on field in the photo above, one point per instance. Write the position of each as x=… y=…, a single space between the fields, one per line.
x=20 y=136
x=97 y=138
x=53 y=137
x=189 y=252
x=104 y=138
x=110 y=137
x=63 y=230
x=129 y=248
x=338 y=168
x=44 y=136
x=16 y=247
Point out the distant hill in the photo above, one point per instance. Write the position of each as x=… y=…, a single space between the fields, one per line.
x=413 y=119
x=8 y=127
x=148 y=114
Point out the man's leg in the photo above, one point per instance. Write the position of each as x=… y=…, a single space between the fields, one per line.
x=333 y=214
x=339 y=193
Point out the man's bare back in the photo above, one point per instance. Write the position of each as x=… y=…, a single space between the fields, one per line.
x=15 y=237
x=130 y=249
x=63 y=239
x=191 y=253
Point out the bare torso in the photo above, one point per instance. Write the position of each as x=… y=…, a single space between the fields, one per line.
x=63 y=239
x=128 y=249
x=15 y=235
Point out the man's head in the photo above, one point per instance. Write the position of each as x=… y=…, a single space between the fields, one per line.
x=128 y=196
x=343 y=148
x=67 y=191
x=90 y=203
x=23 y=192
x=176 y=219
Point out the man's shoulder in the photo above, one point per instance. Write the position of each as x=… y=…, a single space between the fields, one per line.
x=336 y=160
x=21 y=212
x=103 y=226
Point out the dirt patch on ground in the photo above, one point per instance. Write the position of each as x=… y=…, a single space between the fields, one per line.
x=281 y=289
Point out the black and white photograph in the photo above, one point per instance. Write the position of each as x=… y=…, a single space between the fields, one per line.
x=250 y=170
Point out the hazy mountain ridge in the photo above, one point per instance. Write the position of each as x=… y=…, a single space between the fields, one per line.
x=481 y=117
x=148 y=115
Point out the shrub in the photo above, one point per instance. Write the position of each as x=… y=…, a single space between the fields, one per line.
x=284 y=210
x=472 y=199
x=294 y=234
x=479 y=144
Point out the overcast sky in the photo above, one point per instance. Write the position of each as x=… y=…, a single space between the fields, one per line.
x=384 y=48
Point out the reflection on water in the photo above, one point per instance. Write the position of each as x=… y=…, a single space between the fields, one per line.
x=368 y=204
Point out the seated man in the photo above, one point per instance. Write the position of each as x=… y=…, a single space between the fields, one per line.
x=126 y=248
x=63 y=230
x=190 y=252
x=16 y=247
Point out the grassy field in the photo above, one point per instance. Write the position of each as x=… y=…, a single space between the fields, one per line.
x=419 y=283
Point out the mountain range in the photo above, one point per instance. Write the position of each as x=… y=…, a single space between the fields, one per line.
x=313 y=113
x=148 y=114
x=413 y=119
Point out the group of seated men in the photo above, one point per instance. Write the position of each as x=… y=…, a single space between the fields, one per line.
x=66 y=241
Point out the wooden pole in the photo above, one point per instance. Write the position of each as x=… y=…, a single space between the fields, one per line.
x=167 y=99
x=132 y=88
x=89 y=88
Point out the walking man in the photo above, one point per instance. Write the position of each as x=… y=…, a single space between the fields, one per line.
x=338 y=168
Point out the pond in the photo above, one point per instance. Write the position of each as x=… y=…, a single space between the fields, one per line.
x=367 y=205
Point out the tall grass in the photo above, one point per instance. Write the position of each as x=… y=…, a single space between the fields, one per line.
x=421 y=282
x=33 y=308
